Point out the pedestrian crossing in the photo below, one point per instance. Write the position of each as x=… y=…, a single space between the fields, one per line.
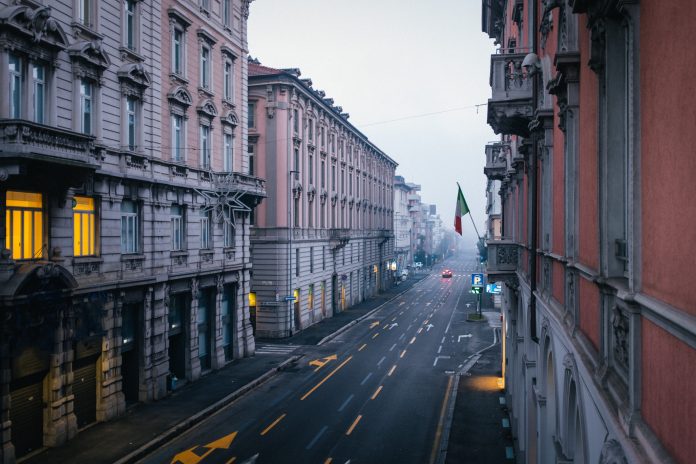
x=275 y=349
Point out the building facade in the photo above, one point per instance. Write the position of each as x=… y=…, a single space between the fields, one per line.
x=325 y=240
x=402 y=225
x=599 y=312
x=126 y=269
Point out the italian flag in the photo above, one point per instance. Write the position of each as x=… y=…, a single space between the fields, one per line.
x=461 y=210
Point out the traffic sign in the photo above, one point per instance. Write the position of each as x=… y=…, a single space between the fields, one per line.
x=494 y=288
x=477 y=280
x=289 y=298
x=476 y=290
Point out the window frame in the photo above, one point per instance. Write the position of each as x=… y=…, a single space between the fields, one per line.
x=205 y=146
x=84 y=98
x=15 y=244
x=205 y=67
x=16 y=78
x=93 y=224
x=132 y=219
x=39 y=83
x=228 y=151
x=178 y=136
x=131 y=27
x=131 y=117
x=177 y=219
x=206 y=232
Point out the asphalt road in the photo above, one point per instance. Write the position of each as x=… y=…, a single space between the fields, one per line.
x=378 y=393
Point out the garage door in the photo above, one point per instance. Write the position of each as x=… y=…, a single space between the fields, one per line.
x=26 y=414
x=85 y=391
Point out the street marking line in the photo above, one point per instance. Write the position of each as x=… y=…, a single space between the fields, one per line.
x=375 y=335
x=403 y=353
x=357 y=419
x=392 y=347
x=316 y=438
x=441 y=421
x=365 y=379
x=275 y=422
x=345 y=403
x=439 y=349
x=231 y=460
x=374 y=395
x=381 y=361
x=439 y=357
x=326 y=378
x=391 y=371
x=412 y=340
x=420 y=329
x=402 y=336
x=443 y=340
x=362 y=347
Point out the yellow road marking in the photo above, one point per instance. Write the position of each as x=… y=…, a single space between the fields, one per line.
x=350 y=430
x=412 y=340
x=275 y=422
x=374 y=324
x=326 y=378
x=231 y=460
x=321 y=363
x=328 y=461
x=375 y=335
x=391 y=371
x=374 y=395
x=362 y=347
x=403 y=353
x=438 y=433
x=189 y=457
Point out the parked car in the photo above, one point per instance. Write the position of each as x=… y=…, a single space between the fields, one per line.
x=447 y=273
x=418 y=265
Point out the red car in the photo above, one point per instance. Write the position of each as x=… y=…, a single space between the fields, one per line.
x=447 y=273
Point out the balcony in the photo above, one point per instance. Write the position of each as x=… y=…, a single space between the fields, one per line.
x=242 y=183
x=510 y=107
x=502 y=260
x=338 y=238
x=49 y=146
x=496 y=160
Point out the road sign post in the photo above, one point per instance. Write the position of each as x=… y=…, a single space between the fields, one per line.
x=477 y=283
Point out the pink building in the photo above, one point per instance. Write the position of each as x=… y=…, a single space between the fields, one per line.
x=596 y=250
x=324 y=239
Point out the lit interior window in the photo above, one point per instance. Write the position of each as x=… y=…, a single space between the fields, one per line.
x=24 y=225
x=84 y=233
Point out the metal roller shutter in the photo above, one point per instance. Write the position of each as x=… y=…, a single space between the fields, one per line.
x=85 y=391
x=26 y=414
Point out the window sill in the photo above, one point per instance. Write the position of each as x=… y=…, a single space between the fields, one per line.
x=132 y=257
x=87 y=259
x=85 y=31
x=178 y=78
x=205 y=91
x=131 y=54
x=178 y=253
x=206 y=251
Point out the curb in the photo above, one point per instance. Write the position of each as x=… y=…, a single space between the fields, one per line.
x=199 y=416
x=366 y=315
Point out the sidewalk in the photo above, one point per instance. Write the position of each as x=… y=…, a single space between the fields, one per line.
x=145 y=427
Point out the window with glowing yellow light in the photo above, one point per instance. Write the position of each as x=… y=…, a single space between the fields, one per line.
x=24 y=225
x=84 y=226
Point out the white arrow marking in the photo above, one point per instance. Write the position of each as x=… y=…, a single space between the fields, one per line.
x=393 y=325
x=430 y=326
x=459 y=339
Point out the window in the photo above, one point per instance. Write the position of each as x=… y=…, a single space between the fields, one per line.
x=84 y=13
x=229 y=234
x=205 y=230
x=343 y=181
x=178 y=52
x=333 y=143
x=310 y=298
x=227 y=13
x=323 y=174
x=86 y=107
x=129 y=6
x=204 y=322
x=296 y=211
x=323 y=137
x=177 y=138
x=333 y=178
x=227 y=311
x=129 y=227
x=16 y=79
x=250 y=151
x=251 y=108
x=228 y=81
x=39 y=94
x=205 y=5
x=84 y=234
x=205 y=147
x=310 y=169
x=350 y=183
x=297 y=262
x=24 y=225
x=323 y=258
x=131 y=122
x=177 y=220
x=205 y=67
x=297 y=164
x=311 y=259
x=310 y=131
x=295 y=121
x=227 y=158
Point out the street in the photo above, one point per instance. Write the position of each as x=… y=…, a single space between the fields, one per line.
x=379 y=392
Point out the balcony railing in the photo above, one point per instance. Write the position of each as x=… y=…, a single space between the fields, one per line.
x=496 y=160
x=29 y=140
x=338 y=238
x=502 y=260
x=235 y=181
x=510 y=106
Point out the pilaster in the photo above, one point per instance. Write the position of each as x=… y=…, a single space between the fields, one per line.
x=60 y=423
x=111 y=402
x=193 y=363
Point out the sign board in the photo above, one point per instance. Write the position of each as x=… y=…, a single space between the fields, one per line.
x=477 y=280
x=289 y=298
x=476 y=290
x=495 y=289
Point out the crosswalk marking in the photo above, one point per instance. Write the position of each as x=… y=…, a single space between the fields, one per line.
x=275 y=349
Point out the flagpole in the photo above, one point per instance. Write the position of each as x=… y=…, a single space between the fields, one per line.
x=471 y=216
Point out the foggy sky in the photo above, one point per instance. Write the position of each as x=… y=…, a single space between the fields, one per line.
x=391 y=64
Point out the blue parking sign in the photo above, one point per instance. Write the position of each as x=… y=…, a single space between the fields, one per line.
x=477 y=280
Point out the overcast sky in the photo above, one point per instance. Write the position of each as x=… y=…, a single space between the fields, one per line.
x=409 y=72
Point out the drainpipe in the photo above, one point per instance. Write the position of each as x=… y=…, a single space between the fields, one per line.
x=533 y=182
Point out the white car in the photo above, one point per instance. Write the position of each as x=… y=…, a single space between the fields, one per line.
x=418 y=265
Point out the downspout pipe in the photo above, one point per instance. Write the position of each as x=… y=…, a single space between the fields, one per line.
x=533 y=181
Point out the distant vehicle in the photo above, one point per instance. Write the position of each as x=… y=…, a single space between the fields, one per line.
x=447 y=273
x=418 y=265
x=404 y=272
